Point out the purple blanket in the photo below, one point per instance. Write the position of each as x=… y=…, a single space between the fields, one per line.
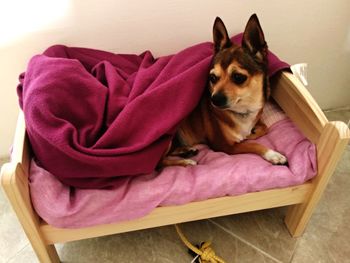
x=93 y=116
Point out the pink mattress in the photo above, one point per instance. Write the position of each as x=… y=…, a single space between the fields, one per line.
x=217 y=174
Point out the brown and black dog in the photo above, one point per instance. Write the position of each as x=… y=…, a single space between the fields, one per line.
x=230 y=109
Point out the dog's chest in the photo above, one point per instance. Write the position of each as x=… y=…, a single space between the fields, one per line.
x=246 y=127
x=241 y=129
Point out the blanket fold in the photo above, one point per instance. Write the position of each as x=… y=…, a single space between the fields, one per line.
x=93 y=116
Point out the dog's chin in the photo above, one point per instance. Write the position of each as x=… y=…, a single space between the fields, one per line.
x=235 y=108
x=238 y=109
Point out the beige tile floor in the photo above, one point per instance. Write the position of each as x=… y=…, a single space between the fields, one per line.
x=250 y=237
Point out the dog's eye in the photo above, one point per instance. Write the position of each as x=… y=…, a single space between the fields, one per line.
x=238 y=78
x=213 y=78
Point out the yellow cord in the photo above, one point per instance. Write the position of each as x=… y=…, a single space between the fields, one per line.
x=206 y=253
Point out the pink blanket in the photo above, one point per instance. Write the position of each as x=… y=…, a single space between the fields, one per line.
x=216 y=174
x=93 y=116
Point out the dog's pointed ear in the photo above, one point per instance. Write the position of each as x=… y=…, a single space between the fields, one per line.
x=253 y=39
x=220 y=36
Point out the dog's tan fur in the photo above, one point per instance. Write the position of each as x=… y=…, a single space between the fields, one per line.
x=230 y=109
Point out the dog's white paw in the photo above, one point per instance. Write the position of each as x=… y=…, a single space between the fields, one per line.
x=275 y=157
x=189 y=162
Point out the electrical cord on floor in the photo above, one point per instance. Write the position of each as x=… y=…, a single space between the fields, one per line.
x=205 y=252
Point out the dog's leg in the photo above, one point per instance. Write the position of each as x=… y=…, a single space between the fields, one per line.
x=268 y=154
x=168 y=161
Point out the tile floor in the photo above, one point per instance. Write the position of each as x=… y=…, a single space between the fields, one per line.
x=250 y=237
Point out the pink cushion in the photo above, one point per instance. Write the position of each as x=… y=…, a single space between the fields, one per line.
x=217 y=174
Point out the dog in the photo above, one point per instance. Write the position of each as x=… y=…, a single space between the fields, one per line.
x=230 y=108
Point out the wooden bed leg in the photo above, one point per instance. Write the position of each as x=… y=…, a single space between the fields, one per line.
x=14 y=181
x=330 y=147
x=45 y=253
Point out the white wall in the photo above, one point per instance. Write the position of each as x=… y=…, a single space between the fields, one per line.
x=316 y=32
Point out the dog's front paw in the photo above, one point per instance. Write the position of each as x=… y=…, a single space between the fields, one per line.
x=189 y=162
x=275 y=158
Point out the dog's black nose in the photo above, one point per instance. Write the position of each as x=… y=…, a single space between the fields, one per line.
x=219 y=99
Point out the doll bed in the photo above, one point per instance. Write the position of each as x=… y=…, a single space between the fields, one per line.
x=330 y=139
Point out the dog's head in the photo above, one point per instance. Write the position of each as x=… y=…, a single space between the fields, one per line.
x=238 y=78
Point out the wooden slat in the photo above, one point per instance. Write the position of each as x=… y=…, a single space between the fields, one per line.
x=189 y=212
x=299 y=105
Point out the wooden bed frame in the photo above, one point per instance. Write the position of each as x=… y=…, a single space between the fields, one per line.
x=330 y=138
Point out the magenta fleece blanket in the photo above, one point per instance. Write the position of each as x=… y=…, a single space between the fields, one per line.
x=94 y=116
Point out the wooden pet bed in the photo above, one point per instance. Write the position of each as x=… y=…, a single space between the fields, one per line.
x=330 y=138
